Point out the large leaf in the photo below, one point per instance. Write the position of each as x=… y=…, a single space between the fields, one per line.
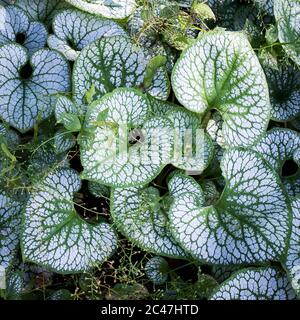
x=292 y=262
x=284 y=86
x=287 y=14
x=27 y=89
x=55 y=236
x=114 y=9
x=140 y=213
x=256 y=284
x=277 y=147
x=250 y=223
x=114 y=62
x=74 y=30
x=10 y=220
x=18 y=28
x=121 y=147
x=221 y=71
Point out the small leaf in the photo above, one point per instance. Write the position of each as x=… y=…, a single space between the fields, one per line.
x=61 y=294
x=255 y=284
x=63 y=141
x=74 y=30
x=111 y=63
x=157 y=270
x=287 y=15
x=113 y=9
x=18 y=28
x=99 y=190
x=250 y=222
x=221 y=71
x=55 y=236
x=27 y=90
x=15 y=285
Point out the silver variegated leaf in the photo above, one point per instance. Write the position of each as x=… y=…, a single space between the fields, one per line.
x=17 y=27
x=256 y=284
x=113 y=9
x=63 y=141
x=278 y=146
x=140 y=213
x=124 y=148
x=10 y=223
x=221 y=71
x=41 y=10
x=27 y=88
x=292 y=262
x=55 y=236
x=157 y=270
x=284 y=87
x=74 y=30
x=250 y=223
x=287 y=15
x=14 y=286
x=115 y=62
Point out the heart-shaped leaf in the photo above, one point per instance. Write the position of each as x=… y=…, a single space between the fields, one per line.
x=125 y=148
x=18 y=28
x=287 y=15
x=27 y=89
x=55 y=236
x=114 y=9
x=292 y=262
x=284 y=87
x=157 y=270
x=140 y=213
x=10 y=220
x=74 y=30
x=256 y=284
x=278 y=147
x=41 y=10
x=250 y=222
x=221 y=71
x=111 y=63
